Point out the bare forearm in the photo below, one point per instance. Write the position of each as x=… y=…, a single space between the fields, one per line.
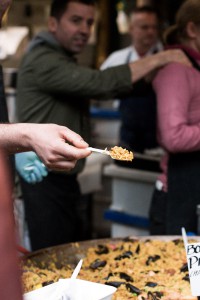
x=15 y=138
x=144 y=66
x=57 y=146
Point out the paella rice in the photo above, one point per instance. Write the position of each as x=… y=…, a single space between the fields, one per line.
x=150 y=269
x=120 y=153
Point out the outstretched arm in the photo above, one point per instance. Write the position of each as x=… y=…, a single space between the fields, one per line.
x=49 y=141
x=144 y=66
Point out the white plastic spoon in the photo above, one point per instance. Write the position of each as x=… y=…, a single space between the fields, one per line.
x=112 y=153
x=105 y=151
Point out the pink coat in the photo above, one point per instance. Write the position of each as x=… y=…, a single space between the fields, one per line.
x=178 y=109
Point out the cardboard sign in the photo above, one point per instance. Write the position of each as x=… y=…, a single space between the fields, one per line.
x=193 y=260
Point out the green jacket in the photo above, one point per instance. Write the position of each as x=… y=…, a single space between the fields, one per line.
x=52 y=88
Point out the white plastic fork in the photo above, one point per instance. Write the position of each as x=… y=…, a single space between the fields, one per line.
x=76 y=270
x=58 y=295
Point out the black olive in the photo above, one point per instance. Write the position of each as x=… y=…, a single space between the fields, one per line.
x=186 y=277
x=158 y=294
x=126 y=254
x=47 y=283
x=152 y=259
x=151 y=296
x=109 y=275
x=133 y=289
x=102 y=249
x=122 y=275
x=177 y=241
x=137 y=251
x=98 y=264
x=125 y=277
x=184 y=268
x=151 y=284
x=116 y=284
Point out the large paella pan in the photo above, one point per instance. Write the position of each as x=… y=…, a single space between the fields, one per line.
x=141 y=268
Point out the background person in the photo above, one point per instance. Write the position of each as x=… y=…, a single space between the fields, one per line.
x=177 y=88
x=49 y=141
x=138 y=108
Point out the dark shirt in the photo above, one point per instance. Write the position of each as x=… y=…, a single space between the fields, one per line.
x=138 y=115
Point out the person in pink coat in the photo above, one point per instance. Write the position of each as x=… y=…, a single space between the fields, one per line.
x=177 y=87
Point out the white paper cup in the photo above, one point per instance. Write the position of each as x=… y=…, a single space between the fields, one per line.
x=72 y=289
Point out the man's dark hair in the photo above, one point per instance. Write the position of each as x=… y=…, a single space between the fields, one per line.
x=143 y=9
x=58 y=7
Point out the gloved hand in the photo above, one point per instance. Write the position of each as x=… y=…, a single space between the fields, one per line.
x=30 y=167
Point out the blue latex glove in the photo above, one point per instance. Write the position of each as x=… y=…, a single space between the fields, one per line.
x=30 y=167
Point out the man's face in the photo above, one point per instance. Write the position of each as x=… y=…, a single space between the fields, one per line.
x=4 y=4
x=144 y=29
x=73 y=29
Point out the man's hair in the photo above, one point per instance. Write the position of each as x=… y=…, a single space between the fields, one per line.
x=58 y=7
x=143 y=9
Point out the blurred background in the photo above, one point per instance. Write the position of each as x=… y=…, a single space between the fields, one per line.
x=109 y=33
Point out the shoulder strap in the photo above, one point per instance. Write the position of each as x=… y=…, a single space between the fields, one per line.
x=128 y=57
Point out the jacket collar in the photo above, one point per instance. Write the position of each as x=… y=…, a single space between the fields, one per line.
x=46 y=37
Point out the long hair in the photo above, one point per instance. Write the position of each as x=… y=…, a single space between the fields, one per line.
x=188 y=12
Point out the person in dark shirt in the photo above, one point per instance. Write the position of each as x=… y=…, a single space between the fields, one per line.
x=138 y=108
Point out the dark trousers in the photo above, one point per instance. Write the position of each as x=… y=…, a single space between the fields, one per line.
x=157 y=213
x=51 y=210
x=167 y=216
x=183 y=191
x=177 y=208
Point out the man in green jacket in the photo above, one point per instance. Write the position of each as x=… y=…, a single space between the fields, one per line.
x=52 y=87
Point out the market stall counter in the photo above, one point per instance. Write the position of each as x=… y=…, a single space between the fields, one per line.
x=131 y=196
